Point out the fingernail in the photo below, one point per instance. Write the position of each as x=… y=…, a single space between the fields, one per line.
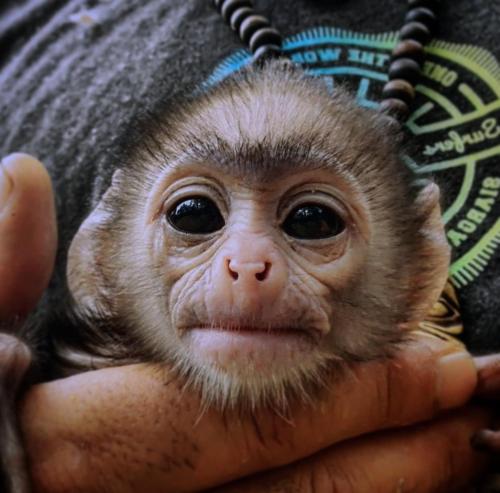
x=6 y=185
x=7 y=342
x=457 y=379
x=478 y=441
x=485 y=441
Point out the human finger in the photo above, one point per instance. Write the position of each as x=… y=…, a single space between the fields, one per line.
x=488 y=376
x=28 y=234
x=430 y=458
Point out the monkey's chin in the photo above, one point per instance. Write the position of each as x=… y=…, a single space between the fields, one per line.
x=247 y=369
x=251 y=349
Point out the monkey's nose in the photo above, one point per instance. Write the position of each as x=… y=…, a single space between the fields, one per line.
x=248 y=270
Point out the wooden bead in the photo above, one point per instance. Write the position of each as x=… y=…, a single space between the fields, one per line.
x=423 y=15
x=409 y=48
x=417 y=31
x=229 y=6
x=266 y=52
x=250 y=25
x=264 y=36
x=395 y=108
x=239 y=15
x=405 y=68
x=399 y=89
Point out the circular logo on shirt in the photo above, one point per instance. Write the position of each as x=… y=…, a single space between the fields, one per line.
x=455 y=124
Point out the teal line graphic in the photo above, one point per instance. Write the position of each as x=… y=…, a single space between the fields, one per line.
x=459 y=201
x=410 y=162
x=471 y=95
x=362 y=92
x=313 y=37
x=330 y=84
x=424 y=109
x=346 y=70
x=327 y=35
x=439 y=99
x=364 y=84
x=469 y=266
x=227 y=67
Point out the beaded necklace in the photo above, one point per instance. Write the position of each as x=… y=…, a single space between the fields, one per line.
x=265 y=41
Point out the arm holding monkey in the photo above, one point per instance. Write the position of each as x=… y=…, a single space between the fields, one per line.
x=83 y=432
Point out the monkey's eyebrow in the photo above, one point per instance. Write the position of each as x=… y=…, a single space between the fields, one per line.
x=257 y=162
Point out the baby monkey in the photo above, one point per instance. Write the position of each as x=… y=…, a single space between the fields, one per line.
x=260 y=236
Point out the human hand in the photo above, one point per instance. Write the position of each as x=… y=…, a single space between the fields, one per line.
x=132 y=428
x=28 y=240
x=129 y=428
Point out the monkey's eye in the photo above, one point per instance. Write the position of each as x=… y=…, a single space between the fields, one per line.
x=313 y=222
x=195 y=215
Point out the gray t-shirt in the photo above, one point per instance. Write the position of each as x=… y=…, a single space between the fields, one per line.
x=74 y=75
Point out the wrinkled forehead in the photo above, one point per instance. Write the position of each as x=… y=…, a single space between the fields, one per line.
x=263 y=114
x=260 y=137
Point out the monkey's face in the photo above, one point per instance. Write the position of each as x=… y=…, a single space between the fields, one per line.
x=266 y=234
x=249 y=271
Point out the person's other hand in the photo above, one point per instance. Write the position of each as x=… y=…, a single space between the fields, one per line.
x=28 y=241
x=133 y=428
x=28 y=234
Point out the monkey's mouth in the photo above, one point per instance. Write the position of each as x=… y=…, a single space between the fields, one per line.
x=263 y=330
x=271 y=330
x=230 y=345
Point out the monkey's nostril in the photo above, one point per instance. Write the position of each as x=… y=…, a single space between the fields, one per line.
x=248 y=269
x=232 y=272
x=261 y=276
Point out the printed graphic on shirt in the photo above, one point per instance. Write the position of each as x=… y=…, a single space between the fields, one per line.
x=455 y=123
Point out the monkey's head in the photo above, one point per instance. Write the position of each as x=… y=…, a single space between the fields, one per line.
x=261 y=234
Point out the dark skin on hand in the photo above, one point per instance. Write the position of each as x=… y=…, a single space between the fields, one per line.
x=130 y=428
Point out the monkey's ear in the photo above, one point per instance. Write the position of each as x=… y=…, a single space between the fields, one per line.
x=88 y=272
x=432 y=264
